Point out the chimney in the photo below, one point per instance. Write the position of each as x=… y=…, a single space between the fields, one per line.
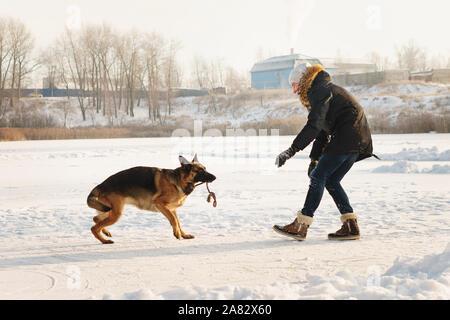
x=292 y=50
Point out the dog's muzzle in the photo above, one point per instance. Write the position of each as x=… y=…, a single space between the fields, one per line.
x=205 y=177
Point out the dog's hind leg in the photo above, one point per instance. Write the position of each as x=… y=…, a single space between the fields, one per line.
x=102 y=216
x=100 y=226
x=113 y=216
x=106 y=232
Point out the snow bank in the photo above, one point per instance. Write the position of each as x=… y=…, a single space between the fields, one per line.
x=418 y=154
x=438 y=169
x=382 y=103
x=427 y=278
x=402 y=160
x=429 y=267
x=408 y=167
x=398 y=167
x=399 y=88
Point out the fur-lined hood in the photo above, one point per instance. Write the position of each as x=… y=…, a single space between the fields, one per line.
x=306 y=83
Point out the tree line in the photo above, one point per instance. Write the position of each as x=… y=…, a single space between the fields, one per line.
x=109 y=70
x=16 y=62
x=409 y=56
x=112 y=68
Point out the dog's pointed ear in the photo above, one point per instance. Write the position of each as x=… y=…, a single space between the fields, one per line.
x=195 y=160
x=183 y=160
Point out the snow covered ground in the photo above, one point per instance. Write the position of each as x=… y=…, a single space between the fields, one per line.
x=48 y=252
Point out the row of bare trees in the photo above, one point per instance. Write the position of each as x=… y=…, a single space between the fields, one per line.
x=409 y=56
x=413 y=57
x=16 y=47
x=113 y=71
x=209 y=74
x=214 y=74
x=109 y=72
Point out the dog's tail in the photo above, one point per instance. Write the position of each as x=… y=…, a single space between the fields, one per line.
x=92 y=201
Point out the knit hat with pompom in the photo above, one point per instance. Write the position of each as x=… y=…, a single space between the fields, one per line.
x=298 y=72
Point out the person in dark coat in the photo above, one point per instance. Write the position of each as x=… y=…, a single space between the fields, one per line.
x=337 y=125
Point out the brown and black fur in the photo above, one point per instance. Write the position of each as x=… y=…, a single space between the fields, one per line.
x=147 y=188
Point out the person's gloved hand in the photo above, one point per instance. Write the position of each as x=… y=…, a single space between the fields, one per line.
x=285 y=155
x=312 y=165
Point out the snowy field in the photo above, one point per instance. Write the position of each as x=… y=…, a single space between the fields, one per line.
x=48 y=252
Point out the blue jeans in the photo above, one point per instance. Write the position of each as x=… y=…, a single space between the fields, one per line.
x=328 y=173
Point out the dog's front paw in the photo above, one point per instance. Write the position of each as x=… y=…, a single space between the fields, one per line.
x=177 y=234
x=188 y=236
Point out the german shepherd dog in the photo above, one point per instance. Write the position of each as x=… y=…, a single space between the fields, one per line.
x=147 y=188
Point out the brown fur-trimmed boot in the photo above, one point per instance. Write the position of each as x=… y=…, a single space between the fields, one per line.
x=349 y=229
x=297 y=229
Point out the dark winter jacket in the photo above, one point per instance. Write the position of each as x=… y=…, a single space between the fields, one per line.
x=336 y=121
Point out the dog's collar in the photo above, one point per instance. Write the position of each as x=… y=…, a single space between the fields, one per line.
x=188 y=189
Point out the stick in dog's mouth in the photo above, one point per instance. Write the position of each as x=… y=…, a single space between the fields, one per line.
x=210 y=195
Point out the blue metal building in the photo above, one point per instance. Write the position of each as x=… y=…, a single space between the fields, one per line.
x=274 y=72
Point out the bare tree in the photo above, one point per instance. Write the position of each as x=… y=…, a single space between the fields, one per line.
x=234 y=80
x=412 y=57
x=62 y=74
x=89 y=46
x=76 y=62
x=128 y=54
x=106 y=54
x=152 y=56
x=200 y=67
x=211 y=75
x=438 y=61
x=21 y=42
x=47 y=59
x=382 y=62
x=375 y=58
x=171 y=71
x=116 y=72
x=5 y=62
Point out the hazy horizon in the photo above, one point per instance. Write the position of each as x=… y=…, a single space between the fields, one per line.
x=236 y=30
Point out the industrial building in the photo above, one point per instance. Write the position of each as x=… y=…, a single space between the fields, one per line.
x=274 y=72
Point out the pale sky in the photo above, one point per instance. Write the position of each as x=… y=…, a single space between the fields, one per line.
x=234 y=29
